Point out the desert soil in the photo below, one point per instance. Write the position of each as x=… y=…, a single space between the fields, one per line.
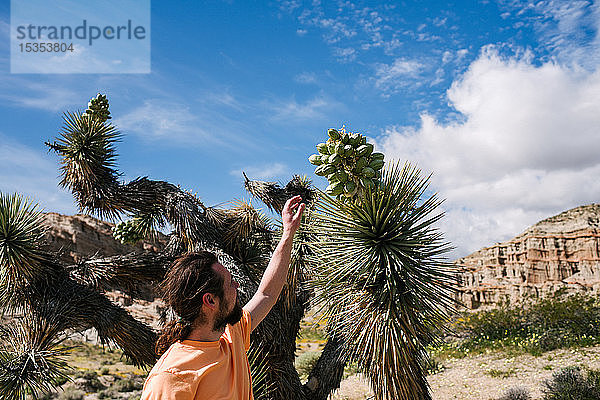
x=488 y=376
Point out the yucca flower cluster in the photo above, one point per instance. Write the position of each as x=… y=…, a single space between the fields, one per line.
x=348 y=162
x=98 y=108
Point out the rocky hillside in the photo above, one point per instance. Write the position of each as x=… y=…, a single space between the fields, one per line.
x=560 y=252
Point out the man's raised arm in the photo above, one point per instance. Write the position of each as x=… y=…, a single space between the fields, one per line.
x=276 y=273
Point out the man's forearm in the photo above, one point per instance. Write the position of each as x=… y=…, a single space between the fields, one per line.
x=276 y=273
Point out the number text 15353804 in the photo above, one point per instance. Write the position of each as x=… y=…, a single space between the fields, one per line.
x=49 y=47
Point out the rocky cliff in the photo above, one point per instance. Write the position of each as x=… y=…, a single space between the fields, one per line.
x=561 y=252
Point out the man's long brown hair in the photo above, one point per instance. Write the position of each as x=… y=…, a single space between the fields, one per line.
x=188 y=279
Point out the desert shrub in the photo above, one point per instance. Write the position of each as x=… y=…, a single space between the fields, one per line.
x=305 y=362
x=571 y=384
x=71 y=393
x=107 y=394
x=493 y=324
x=312 y=334
x=536 y=326
x=500 y=373
x=90 y=379
x=61 y=380
x=434 y=366
x=516 y=393
x=350 y=369
x=127 y=385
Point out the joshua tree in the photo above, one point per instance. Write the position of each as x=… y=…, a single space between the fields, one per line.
x=372 y=262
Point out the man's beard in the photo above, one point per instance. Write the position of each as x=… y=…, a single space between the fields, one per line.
x=222 y=319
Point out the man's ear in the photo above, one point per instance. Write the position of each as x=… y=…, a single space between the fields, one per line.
x=209 y=300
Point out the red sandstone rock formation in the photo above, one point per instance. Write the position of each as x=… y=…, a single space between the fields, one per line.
x=559 y=252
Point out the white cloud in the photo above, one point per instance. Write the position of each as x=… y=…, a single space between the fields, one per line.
x=439 y=21
x=460 y=54
x=44 y=96
x=33 y=173
x=446 y=57
x=525 y=148
x=569 y=29
x=365 y=26
x=289 y=5
x=306 y=77
x=176 y=123
x=347 y=54
x=222 y=98
x=161 y=120
x=313 y=109
x=389 y=78
x=261 y=172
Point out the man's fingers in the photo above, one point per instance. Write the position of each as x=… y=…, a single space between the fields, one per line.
x=295 y=199
x=293 y=202
x=300 y=210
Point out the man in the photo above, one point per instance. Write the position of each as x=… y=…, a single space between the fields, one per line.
x=204 y=350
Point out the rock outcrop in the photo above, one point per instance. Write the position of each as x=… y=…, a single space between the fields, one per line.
x=77 y=236
x=561 y=252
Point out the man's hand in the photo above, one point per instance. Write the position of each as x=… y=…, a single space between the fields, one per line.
x=291 y=215
x=276 y=273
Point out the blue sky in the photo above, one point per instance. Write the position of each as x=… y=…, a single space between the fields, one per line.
x=498 y=99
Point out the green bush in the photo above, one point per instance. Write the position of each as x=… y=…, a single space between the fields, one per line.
x=493 y=324
x=516 y=393
x=305 y=362
x=571 y=384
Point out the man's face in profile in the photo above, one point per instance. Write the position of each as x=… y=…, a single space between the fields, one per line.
x=230 y=310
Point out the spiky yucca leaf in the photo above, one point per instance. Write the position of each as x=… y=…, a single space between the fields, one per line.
x=245 y=220
x=270 y=193
x=127 y=272
x=259 y=370
x=382 y=279
x=86 y=146
x=21 y=230
x=31 y=357
x=274 y=196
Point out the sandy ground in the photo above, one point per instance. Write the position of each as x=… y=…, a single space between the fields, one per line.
x=488 y=376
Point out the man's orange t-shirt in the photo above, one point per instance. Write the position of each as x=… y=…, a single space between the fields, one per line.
x=193 y=370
